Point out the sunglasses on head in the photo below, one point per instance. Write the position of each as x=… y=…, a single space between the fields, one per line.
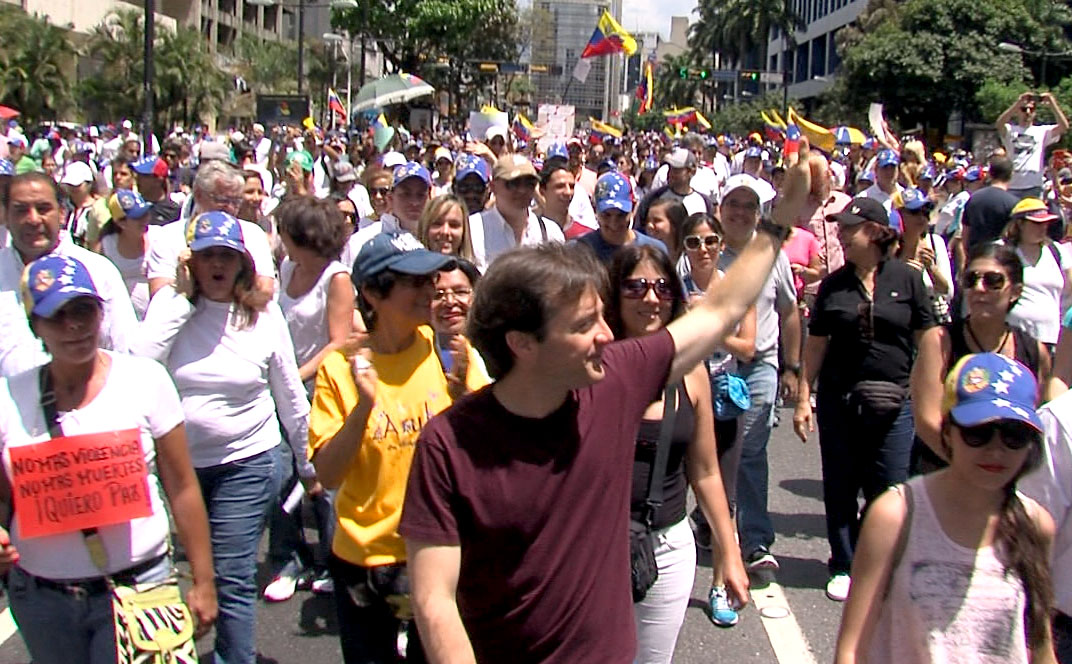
x=692 y=242
x=635 y=289
x=1014 y=435
x=992 y=281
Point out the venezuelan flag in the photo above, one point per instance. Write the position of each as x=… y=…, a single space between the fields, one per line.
x=774 y=126
x=335 y=104
x=522 y=128
x=680 y=116
x=609 y=38
x=603 y=129
x=645 y=89
x=818 y=136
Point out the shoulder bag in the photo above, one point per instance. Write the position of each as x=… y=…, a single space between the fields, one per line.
x=643 y=568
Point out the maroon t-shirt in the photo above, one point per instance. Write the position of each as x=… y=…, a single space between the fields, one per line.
x=540 y=508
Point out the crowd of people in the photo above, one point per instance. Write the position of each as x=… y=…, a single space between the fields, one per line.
x=494 y=370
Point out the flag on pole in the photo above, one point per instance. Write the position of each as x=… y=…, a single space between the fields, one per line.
x=609 y=38
x=645 y=89
x=523 y=128
x=335 y=104
x=603 y=129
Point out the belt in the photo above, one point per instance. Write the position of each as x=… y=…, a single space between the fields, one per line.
x=100 y=584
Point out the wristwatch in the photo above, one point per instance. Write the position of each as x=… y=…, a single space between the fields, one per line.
x=792 y=368
x=777 y=230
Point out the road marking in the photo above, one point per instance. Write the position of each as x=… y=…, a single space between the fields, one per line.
x=7 y=626
x=785 y=636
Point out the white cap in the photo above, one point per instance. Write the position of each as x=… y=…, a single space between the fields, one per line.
x=93 y=131
x=76 y=173
x=494 y=131
x=746 y=181
x=392 y=159
x=258 y=127
x=681 y=158
x=237 y=136
x=127 y=124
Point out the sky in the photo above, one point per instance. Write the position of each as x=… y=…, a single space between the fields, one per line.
x=645 y=15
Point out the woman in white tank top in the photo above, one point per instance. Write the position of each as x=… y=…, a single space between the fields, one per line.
x=953 y=566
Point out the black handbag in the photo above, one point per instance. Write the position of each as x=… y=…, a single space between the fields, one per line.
x=643 y=569
x=879 y=399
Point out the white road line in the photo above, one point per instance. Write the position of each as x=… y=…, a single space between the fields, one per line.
x=786 y=638
x=7 y=626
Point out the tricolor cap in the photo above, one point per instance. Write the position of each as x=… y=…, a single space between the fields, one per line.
x=887 y=157
x=215 y=229
x=870 y=143
x=975 y=173
x=613 y=192
x=469 y=164
x=52 y=281
x=1032 y=209
x=986 y=387
x=151 y=165
x=398 y=252
x=754 y=152
x=929 y=172
x=412 y=169
x=912 y=199
x=125 y=203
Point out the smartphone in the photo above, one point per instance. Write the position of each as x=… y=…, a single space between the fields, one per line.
x=1036 y=98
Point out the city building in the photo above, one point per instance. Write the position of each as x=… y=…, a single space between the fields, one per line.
x=555 y=53
x=813 y=64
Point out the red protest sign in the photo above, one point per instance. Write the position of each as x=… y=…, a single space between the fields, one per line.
x=78 y=482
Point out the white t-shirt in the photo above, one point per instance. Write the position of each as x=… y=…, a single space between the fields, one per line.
x=1026 y=148
x=387 y=224
x=306 y=315
x=941 y=262
x=137 y=394
x=20 y=349
x=492 y=236
x=237 y=384
x=1038 y=311
x=704 y=180
x=164 y=253
x=876 y=192
x=133 y=270
x=358 y=195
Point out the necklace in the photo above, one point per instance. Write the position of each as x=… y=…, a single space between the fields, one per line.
x=983 y=349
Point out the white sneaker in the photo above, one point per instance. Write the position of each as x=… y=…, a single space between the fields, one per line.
x=284 y=584
x=837 y=588
x=323 y=585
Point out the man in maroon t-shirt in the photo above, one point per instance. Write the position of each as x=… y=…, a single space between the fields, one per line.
x=517 y=507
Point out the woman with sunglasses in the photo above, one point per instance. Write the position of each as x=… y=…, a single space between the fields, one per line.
x=991 y=284
x=863 y=336
x=920 y=248
x=645 y=296
x=1047 y=271
x=378 y=183
x=954 y=566
x=444 y=227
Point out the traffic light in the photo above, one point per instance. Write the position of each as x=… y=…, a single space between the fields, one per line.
x=702 y=73
x=683 y=72
x=750 y=75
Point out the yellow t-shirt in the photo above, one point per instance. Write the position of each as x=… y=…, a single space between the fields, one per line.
x=411 y=389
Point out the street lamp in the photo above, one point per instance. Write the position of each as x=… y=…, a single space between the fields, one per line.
x=301 y=5
x=1043 y=55
x=337 y=38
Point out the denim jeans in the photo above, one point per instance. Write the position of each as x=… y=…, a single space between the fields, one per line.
x=237 y=497
x=60 y=627
x=858 y=455
x=753 y=521
x=369 y=622
x=286 y=536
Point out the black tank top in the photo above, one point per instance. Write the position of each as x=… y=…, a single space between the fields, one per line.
x=675 y=483
x=1025 y=347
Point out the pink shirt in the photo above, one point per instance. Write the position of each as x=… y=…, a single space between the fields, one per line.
x=801 y=248
x=831 y=256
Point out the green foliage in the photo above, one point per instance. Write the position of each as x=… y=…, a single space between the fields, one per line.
x=35 y=58
x=926 y=58
x=734 y=28
x=993 y=97
x=670 y=88
x=267 y=65
x=743 y=118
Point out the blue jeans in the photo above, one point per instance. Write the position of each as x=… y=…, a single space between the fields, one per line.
x=286 y=536
x=859 y=455
x=753 y=521
x=59 y=627
x=237 y=497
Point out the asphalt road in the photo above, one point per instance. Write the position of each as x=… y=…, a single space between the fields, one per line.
x=303 y=629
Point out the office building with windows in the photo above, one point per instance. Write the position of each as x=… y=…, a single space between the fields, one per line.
x=814 y=62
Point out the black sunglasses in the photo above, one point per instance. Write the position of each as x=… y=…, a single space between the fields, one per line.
x=1014 y=435
x=692 y=242
x=379 y=191
x=992 y=281
x=462 y=189
x=521 y=183
x=634 y=289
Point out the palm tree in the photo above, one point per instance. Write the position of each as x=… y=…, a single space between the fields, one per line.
x=737 y=28
x=670 y=88
x=35 y=58
x=188 y=83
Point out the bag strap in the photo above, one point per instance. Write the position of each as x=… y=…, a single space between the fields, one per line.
x=97 y=553
x=902 y=535
x=662 y=453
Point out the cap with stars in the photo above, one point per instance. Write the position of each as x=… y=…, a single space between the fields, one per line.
x=986 y=387
x=52 y=281
x=215 y=229
x=613 y=191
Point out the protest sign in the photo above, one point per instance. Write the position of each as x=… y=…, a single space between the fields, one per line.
x=76 y=482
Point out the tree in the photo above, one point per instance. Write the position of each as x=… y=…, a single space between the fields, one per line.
x=265 y=65
x=670 y=88
x=927 y=58
x=35 y=57
x=736 y=28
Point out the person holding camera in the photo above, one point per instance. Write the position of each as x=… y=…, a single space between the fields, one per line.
x=1026 y=143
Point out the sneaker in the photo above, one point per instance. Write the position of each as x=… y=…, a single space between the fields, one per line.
x=718 y=602
x=323 y=584
x=700 y=530
x=761 y=565
x=837 y=588
x=284 y=584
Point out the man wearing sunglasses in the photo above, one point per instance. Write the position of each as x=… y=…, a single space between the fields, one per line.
x=614 y=210
x=471 y=179
x=510 y=222
x=1026 y=142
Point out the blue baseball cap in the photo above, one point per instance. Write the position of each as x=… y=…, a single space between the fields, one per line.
x=52 y=281
x=754 y=152
x=870 y=143
x=887 y=157
x=986 y=387
x=913 y=199
x=469 y=164
x=412 y=169
x=865 y=176
x=613 y=191
x=128 y=204
x=557 y=150
x=6 y=167
x=929 y=172
x=215 y=229
x=398 y=252
x=974 y=174
x=151 y=165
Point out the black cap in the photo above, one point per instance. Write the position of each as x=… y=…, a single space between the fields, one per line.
x=859 y=210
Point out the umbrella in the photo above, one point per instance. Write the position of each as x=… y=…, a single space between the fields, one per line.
x=392 y=89
x=849 y=136
x=6 y=113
